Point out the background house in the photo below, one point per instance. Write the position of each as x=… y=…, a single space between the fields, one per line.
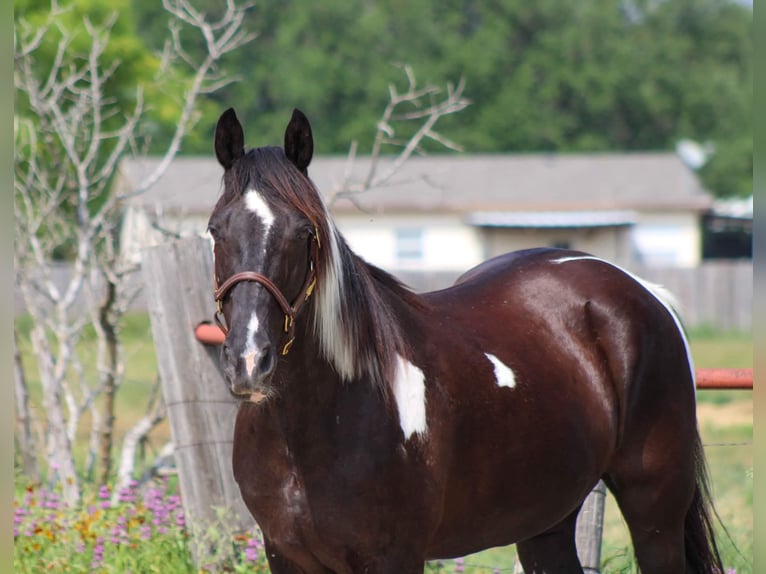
x=448 y=213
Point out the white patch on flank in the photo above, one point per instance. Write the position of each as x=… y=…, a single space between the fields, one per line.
x=250 y=354
x=255 y=203
x=410 y=395
x=662 y=294
x=503 y=374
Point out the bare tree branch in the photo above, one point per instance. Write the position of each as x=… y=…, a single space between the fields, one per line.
x=428 y=110
x=67 y=151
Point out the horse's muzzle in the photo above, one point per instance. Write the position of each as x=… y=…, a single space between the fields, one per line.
x=248 y=373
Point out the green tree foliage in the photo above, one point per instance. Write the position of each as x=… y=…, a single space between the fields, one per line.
x=550 y=75
x=137 y=64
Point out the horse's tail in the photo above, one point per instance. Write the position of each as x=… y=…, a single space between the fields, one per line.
x=702 y=556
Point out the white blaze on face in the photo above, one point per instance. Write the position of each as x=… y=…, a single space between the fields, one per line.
x=250 y=354
x=410 y=395
x=254 y=202
x=504 y=376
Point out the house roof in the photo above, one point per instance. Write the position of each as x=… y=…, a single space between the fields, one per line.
x=462 y=183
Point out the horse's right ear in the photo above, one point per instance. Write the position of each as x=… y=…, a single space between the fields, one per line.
x=229 y=139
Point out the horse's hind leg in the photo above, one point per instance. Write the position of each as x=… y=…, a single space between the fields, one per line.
x=654 y=489
x=553 y=551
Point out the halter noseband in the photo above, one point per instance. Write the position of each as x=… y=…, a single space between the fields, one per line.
x=289 y=310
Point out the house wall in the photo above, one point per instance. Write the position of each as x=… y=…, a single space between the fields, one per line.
x=446 y=243
x=667 y=239
x=610 y=243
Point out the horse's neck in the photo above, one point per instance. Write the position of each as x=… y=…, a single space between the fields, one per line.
x=318 y=410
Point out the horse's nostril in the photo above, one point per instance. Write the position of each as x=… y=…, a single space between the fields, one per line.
x=266 y=362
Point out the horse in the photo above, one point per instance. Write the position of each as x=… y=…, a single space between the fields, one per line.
x=380 y=428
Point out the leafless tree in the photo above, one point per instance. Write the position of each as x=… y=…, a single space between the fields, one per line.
x=67 y=152
x=420 y=106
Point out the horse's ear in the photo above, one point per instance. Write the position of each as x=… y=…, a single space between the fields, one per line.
x=229 y=139
x=299 y=143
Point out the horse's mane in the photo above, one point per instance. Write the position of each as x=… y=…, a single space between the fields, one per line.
x=354 y=322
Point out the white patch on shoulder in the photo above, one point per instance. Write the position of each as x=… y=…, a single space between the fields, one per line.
x=250 y=354
x=662 y=294
x=410 y=395
x=255 y=203
x=504 y=376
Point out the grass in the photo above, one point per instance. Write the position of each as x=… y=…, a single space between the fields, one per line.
x=725 y=422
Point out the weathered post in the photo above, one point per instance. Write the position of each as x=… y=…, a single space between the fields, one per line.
x=589 y=530
x=179 y=291
x=590 y=526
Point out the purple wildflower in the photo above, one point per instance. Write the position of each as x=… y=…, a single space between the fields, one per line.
x=145 y=532
x=98 y=553
x=104 y=495
x=50 y=500
x=251 y=550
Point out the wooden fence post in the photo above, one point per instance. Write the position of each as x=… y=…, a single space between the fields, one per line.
x=178 y=280
x=590 y=525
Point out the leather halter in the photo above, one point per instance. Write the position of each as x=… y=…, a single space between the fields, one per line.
x=289 y=310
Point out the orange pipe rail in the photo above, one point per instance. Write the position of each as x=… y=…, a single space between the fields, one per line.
x=210 y=334
x=725 y=379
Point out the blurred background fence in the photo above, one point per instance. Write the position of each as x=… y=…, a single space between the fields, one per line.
x=716 y=294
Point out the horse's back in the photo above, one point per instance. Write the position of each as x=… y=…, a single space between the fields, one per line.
x=580 y=309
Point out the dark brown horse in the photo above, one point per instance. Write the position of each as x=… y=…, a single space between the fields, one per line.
x=380 y=428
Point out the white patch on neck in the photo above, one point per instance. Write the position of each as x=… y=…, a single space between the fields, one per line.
x=410 y=395
x=504 y=376
x=250 y=354
x=662 y=294
x=254 y=202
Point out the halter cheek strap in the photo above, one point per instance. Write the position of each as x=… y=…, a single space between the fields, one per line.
x=289 y=310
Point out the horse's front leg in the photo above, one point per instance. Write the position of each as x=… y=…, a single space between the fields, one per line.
x=299 y=562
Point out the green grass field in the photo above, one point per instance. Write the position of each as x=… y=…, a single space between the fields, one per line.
x=725 y=421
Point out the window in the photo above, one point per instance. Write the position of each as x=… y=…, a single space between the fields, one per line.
x=409 y=245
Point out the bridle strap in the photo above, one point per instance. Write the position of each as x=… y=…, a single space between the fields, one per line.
x=289 y=310
x=221 y=292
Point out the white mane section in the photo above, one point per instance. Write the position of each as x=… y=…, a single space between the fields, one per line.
x=662 y=294
x=328 y=324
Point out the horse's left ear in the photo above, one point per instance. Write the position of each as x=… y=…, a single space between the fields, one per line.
x=299 y=143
